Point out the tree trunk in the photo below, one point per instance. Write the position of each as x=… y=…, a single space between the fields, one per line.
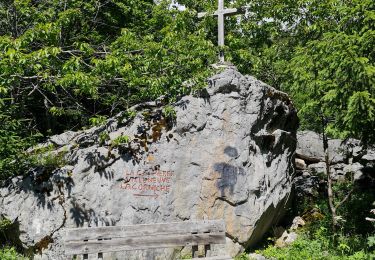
x=329 y=178
x=330 y=192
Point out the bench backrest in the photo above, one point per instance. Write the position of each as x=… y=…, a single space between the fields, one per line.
x=94 y=240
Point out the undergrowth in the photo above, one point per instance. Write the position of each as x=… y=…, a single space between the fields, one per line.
x=9 y=253
x=319 y=246
x=316 y=241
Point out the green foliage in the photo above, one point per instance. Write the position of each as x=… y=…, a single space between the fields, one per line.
x=47 y=157
x=130 y=114
x=360 y=114
x=333 y=73
x=103 y=137
x=74 y=63
x=371 y=241
x=313 y=249
x=4 y=224
x=188 y=256
x=123 y=139
x=169 y=112
x=52 y=160
x=242 y=256
x=13 y=142
x=352 y=239
x=9 y=253
x=317 y=242
x=97 y=121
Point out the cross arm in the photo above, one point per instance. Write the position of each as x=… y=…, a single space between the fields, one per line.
x=229 y=11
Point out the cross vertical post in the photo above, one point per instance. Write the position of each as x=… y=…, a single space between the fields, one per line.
x=220 y=25
x=221 y=13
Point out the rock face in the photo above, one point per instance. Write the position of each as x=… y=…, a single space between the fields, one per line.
x=349 y=159
x=310 y=148
x=227 y=154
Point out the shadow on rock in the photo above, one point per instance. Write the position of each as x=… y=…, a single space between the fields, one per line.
x=228 y=172
x=46 y=185
x=81 y=215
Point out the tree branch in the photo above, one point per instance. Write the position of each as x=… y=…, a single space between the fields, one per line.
x=344 y=199
x=98 y=53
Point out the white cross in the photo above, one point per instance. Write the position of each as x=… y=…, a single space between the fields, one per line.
x=220 y=13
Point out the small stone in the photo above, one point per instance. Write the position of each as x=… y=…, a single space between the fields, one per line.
x=297 y=223
x=286 y=239
x=306 y=174
x=300 y=164
x=317 y=168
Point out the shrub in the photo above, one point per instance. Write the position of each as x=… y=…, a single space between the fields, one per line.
x=9 y=253
x=314 y=249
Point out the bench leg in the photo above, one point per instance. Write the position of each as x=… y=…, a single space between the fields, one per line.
x=207 y=250
x=194 y=253
x=198 y=251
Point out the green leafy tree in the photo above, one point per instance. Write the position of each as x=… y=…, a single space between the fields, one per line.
x=321 y=53
x=67 y=61
x=66 y=64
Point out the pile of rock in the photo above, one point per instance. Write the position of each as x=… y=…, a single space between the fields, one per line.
x=349 y=159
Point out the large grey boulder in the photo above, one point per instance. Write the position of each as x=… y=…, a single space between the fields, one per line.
x=310 y=148
x=228 y=154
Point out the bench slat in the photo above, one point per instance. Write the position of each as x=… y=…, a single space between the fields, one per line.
x=140 y=243
x=91 y=233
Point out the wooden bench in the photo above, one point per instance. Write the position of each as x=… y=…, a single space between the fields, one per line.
x=98 y=240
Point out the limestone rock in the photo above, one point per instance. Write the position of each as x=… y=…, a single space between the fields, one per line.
x=63 y=139
x=297 y=223
x=228 y=154
x=254 y=256
x=306 y=185
x=286 y=239
x=317 y=168
x=356 y=169
x=355 y=148
x=310 y=148
x=300 y=164
x=369 y=156
x=368 y=159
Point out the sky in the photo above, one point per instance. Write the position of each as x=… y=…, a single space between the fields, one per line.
x=175 y=4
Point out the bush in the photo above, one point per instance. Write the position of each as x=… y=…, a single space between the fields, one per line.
x=353 y=239
x=9 y=253
x=13 y=159
x=314 y=249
